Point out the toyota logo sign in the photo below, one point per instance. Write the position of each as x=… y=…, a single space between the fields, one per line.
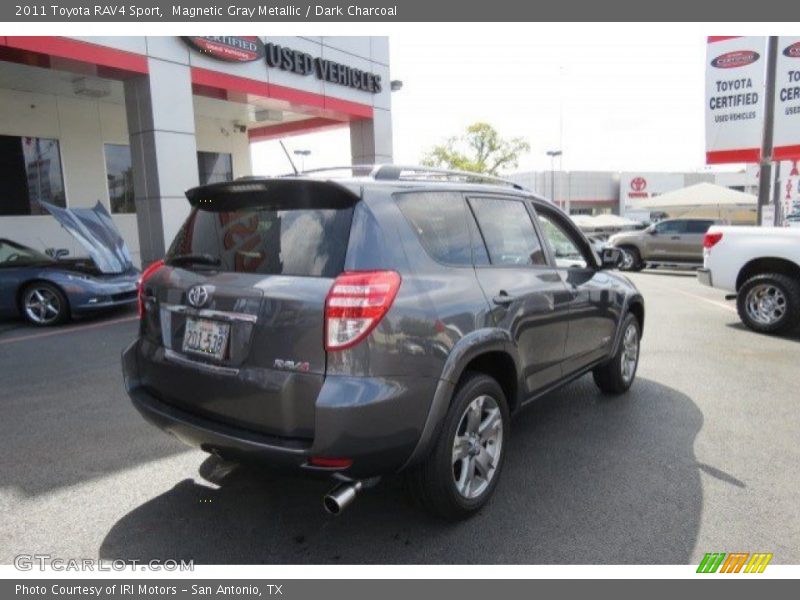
x=198 y=295
x=638 y=184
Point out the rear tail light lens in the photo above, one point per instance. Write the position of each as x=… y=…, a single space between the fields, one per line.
x=355 y=305
x=146 y=274
x=330 y=463
x=711 y=238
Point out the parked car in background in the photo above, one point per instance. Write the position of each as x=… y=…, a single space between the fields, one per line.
x=48 y=289
x=374 y=324
x=762 y=266
x=672 y=241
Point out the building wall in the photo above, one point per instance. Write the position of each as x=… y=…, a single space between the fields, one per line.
x=82 y=127
x=595 y=191
x=604 y=191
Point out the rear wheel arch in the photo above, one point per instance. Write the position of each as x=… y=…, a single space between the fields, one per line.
x=767 y=265
x=500 y=366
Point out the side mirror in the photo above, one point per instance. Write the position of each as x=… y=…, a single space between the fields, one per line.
x=57 y=253
x=610 y=258
x=652 y=231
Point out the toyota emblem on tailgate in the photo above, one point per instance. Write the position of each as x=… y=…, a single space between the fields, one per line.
x=198 y=295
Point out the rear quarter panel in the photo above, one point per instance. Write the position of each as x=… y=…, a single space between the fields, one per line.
x=436 y=306
x=740 y=245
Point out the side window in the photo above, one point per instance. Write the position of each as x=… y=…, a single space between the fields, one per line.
x=214 y=167
x=566 y=250
x=440 y=221
x=669 y=227
x=119 y=174
x=30 y=173
x=698 y=226
x=508 y=232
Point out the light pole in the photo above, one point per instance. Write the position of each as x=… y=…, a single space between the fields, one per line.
x=302 y=154
x=553 y=154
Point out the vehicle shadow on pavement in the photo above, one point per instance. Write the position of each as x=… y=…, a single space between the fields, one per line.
x=792 y=336
x=588 y=479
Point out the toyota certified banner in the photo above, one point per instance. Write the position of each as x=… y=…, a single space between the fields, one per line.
x=735 y=71
x=786 y=136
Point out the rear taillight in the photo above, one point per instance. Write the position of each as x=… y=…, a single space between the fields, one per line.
x=146 y=274
x=356 y=303
x=711 y=238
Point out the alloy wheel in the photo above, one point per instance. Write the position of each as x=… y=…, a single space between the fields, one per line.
x=626 y=262
x=630 y=352
x=477 y=446
x=765 y=304
x=42 y=306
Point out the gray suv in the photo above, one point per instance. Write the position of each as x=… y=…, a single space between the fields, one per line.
x=392 y=320
x=671 y=241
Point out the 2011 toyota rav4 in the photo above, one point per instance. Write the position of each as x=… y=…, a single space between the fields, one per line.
x=375 y=324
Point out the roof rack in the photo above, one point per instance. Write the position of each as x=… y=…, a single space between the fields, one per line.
x=387 y=172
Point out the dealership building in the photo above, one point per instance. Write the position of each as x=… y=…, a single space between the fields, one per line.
x=598 y=192
x=132 y=122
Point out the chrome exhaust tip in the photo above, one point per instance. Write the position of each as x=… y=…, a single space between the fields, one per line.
x=341 y=497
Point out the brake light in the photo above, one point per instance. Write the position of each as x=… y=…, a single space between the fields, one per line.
x=146 y=274
x=356 y=303
x=711 y=238
x=330 y=463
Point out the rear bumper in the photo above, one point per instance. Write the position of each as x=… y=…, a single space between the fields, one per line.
x=376 y=422
x=704 y=277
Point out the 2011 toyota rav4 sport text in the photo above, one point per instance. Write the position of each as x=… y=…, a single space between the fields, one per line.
x=385 y=322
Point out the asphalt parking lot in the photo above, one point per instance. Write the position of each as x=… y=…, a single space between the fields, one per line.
x=701 y=455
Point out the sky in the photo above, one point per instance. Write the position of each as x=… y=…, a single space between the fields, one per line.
x=608 y=101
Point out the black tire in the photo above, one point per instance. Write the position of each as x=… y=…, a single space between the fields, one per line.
x=432 y=483
x=610 y=377
x=785 y=293
x=635 y=264
x=55 y=298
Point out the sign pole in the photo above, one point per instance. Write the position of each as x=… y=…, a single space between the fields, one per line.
x=776 y=195
x=765 y=172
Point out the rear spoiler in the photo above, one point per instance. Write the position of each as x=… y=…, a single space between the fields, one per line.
x=275 y=193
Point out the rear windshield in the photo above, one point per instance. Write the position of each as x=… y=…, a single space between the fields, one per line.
x=267 y=241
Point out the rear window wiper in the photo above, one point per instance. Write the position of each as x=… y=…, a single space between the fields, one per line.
x=196 y=259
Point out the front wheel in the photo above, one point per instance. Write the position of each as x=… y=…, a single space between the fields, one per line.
x=631 y=259
x=460 y=475
x=617 y=375
x=769 y=303
x=43 y=304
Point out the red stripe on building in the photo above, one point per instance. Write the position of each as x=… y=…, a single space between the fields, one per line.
x=747 y=155
x=241 y=89
x=721 y=38
x=116 y=63
x=786 y=152
x=271 y=132
x=215 y=80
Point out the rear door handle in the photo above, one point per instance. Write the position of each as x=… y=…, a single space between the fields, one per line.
x=503 y=299
x=675 y=237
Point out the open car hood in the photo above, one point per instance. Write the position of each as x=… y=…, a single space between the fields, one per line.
x=96 y=232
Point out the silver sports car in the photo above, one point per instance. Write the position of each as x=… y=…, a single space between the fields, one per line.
x=47 y=289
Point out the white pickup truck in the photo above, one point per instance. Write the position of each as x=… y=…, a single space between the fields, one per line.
x=762 y=266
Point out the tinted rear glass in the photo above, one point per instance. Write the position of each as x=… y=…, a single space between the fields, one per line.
x=440 y=220
x=698 y=226
x=266 y=241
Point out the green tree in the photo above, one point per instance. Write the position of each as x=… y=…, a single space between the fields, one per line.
x=479 y=150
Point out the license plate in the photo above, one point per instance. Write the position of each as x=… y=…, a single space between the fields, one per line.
x=209 y=338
